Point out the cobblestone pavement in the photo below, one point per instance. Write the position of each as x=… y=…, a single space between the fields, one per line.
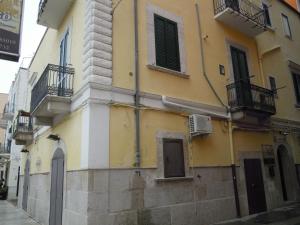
x=10 y=215
x=289 y=215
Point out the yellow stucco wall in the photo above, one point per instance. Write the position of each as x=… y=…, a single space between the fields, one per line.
x=195 y=88
x=42 y=150
x=49 y=50
x=211 y=150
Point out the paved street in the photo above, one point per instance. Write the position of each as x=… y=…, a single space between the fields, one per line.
x=10 y=215
x=289 y=215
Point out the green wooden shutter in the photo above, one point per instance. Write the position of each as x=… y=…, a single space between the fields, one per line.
x=166 y=43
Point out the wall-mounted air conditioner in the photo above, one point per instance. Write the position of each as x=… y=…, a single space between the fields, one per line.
x=200 y=125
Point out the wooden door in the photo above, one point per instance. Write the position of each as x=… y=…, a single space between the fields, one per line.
x=255 y=186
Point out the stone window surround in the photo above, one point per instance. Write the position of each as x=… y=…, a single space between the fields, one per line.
x=151 y=10
x=160 y=158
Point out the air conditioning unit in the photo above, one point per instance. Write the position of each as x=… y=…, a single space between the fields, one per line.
x=200 y=125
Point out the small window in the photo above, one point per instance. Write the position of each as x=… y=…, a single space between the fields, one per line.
x=267 y=15
x=173 y=158
x=296 y=79
x=273 y=85
x=286 y=26
x=166 y=43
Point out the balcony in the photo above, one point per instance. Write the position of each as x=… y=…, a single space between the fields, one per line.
x=243 y=15
x=8 y=112
x=248 y=100
x=51 y=96
x=23 y=128
x=52 y=12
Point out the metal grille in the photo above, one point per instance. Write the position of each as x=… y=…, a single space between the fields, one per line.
x=246 y=8
x=22 y=123
x=55 y=81
x=259 y=99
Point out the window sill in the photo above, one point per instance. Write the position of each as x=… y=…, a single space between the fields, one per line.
x=165 y=70
x=171 y=179
x=297 y=106
x=270 y=28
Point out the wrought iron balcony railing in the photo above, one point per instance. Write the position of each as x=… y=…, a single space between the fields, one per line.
x=245 y=7
x=243 y=95
x=55 y=81
x=22 y=124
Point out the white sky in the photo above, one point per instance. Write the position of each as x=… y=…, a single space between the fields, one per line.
x=31 y=36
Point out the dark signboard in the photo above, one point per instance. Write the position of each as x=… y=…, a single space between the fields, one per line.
x=10 y=29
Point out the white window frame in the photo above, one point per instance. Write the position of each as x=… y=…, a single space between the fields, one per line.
x=151 y=11
x=286 y=18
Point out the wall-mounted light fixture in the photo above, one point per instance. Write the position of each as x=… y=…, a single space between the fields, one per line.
x=24 y=150
x=53 y=137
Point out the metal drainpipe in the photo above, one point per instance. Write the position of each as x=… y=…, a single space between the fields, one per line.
x=137 y=89
x=233 y=170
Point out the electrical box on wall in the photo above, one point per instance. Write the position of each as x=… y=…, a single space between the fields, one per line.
x=200 y=125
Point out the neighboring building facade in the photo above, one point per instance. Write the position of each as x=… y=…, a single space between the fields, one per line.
x=17 y=100
x=4 y=152
x=279 y=54
x=149 y=112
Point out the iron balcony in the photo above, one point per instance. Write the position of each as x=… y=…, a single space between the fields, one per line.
x=246 y=97
x=242 y=15
x=23 y=128
x=52 y=93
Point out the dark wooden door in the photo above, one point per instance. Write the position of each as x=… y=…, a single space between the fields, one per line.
x=255 y=186
x=241 y=77
x=57 y=184
x=26 y=185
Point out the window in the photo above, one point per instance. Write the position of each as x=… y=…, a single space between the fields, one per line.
x=267 y=15
x=286 y=26
x=173 y=156
x=166 y=43
x=273 y=85
x=296 y=79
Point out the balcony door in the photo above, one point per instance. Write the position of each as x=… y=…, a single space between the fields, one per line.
x=62 y=80
x=241 y=77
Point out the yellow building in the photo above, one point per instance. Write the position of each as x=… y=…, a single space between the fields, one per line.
x=149 y=112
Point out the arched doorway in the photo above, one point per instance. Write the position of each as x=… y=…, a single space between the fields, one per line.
x=285 y=177
x=57 y=185
x=26 y=185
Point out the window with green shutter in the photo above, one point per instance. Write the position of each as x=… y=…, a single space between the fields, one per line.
x=166 y=43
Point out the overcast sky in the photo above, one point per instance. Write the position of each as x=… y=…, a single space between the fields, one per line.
x=31 y=36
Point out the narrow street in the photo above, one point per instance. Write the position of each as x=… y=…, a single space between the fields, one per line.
x=289 y=215
x=10 y=215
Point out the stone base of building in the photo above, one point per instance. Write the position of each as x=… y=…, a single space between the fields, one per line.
x=130 y=197
x=12 y=193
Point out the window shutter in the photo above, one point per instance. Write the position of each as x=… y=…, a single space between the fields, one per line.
x=296 y=79
x=173 y=158
x=273 y=85
x=166 y=43
x=160 y=41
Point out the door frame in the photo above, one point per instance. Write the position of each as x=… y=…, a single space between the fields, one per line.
x=263 y=184
x=26 y=176
x=242 y=177
x=230 y=43
x=59 y=145
x=293 y=173
x=57 y=151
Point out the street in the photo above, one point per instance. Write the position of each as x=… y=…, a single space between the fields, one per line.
x=10 y=215
x=289 y=215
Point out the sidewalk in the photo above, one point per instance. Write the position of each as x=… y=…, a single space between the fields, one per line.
x=288 y=215
x=10 y=215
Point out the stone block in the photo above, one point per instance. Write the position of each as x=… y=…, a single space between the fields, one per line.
x=157 y=216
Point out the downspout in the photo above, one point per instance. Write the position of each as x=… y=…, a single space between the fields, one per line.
x=233 y=169
x=230 y=127
x=137 y=89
